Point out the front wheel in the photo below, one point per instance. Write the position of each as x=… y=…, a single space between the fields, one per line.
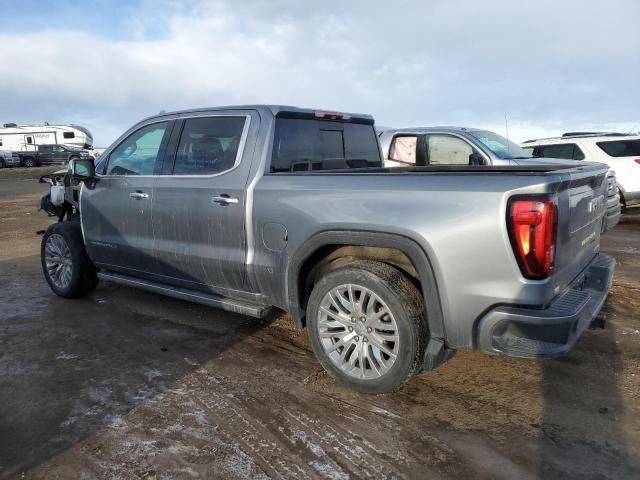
x=67 y=268
x=367 y=326
x=29 y=162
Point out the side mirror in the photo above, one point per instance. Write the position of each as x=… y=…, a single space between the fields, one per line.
x=83 y=169
x=476 y=159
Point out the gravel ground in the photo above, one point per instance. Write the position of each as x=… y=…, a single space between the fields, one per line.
x=127 y=384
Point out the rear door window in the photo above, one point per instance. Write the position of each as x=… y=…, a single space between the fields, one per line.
x=620 y=148
x=403 y=149
x=301 y=144
x=208 y=145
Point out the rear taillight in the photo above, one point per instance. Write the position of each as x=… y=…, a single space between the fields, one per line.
x=637 y=160
x=532 y=229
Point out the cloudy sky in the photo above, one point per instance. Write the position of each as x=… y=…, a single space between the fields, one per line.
x=547 y=66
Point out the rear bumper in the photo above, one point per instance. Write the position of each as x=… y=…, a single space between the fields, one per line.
x=549 y=332
x=613 y=214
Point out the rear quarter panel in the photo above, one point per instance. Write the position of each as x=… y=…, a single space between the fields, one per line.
x=458 y=220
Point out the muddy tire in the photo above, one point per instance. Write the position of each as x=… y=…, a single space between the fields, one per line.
x=29 y=162
x=367 y=326
x=66 y=266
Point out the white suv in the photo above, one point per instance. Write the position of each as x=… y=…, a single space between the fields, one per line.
x=620 y=151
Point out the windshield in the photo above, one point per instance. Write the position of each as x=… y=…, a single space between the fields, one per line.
x=499 y=145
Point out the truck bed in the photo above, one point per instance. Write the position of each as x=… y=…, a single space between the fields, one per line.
x=456 y=214
x=448 y=169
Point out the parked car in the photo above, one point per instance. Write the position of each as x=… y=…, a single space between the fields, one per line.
x=51 y=155
x=390 y=270
x=8 y=159
x=470 y=146
x=620 y=151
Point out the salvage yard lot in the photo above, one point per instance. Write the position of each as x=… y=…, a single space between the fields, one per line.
x=127 y=384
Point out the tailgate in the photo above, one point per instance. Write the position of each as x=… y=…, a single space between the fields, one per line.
x=582 y=203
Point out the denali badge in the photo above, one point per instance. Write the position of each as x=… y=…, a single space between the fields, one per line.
x=103 y=244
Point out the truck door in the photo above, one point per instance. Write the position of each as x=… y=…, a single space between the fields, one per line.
x=116 y=213
x=59 y=154
x=200 y=202
x=45 y=154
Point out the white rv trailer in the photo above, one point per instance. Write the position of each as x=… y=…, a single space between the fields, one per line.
x=21 y=138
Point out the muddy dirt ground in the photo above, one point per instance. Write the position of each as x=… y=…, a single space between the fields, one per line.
x=127 y=384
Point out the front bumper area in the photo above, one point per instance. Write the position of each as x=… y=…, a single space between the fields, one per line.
x=549 y=332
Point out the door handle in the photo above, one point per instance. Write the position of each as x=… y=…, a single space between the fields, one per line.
x=138 y=195
x=224 y=199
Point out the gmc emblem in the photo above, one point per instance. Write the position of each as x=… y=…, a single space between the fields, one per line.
x=596 y=204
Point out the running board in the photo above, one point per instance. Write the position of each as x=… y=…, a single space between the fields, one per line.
x=209 y=299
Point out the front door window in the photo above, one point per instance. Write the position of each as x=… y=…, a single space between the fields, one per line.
x=447 y=150
x=137 y=155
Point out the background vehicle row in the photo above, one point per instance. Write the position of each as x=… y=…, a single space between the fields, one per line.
x=458 y=146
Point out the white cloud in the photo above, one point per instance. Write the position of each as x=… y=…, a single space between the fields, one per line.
x=548 y=66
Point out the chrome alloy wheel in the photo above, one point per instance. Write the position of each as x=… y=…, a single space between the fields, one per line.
x=58 y=261
x=358 y=332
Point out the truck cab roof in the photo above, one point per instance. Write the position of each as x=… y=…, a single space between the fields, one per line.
x=277 y=111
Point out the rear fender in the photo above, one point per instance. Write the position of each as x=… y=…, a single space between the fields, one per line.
x=406 y=245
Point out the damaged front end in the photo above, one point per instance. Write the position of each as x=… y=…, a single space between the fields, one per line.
x=62 y=199
x=52 y=210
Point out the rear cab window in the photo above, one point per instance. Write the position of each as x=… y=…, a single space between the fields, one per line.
x=306 y=144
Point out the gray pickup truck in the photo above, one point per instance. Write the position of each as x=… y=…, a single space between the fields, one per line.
x=391 y=270
x=9 y=159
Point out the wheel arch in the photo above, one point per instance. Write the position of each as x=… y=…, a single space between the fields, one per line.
x=329 y=247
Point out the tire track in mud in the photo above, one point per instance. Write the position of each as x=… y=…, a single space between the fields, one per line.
x=292 y=424
x=235 y=427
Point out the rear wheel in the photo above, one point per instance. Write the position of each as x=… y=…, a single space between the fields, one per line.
x=367 y=326
x=67 y=268
x=2 y=164
x=29 y=162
